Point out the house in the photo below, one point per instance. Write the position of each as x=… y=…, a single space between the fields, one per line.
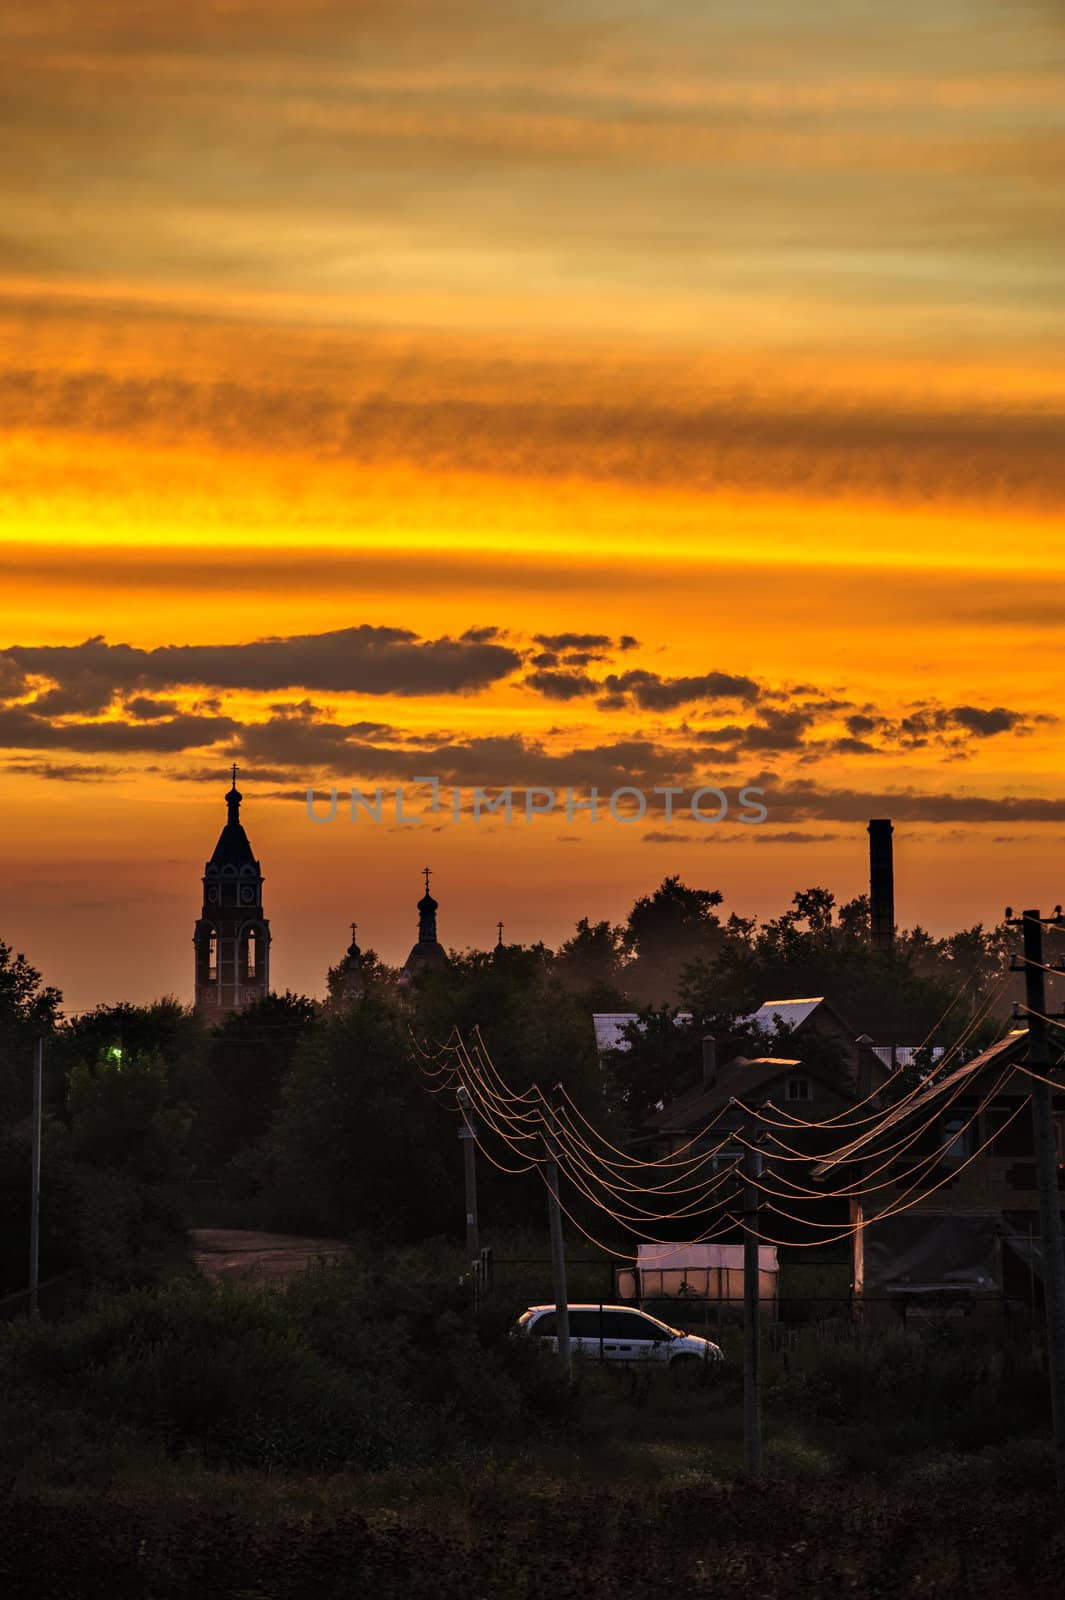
x=610 y=1028
x=783 y=1080
x=810 y=1021
x=961 y=1232
x=729 y=1100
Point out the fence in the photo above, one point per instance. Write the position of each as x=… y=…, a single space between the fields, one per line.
x=593 y=1281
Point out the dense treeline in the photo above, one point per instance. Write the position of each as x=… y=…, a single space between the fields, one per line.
x=312 y=1115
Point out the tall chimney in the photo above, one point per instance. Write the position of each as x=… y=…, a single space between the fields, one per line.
x=881 y=884
x=709 y=1061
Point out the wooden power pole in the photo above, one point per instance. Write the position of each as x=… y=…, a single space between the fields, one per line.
x=35 y=1175
x=468 y=1135
x=558 y=1253
x=752 y=1332
x=1046 y=1166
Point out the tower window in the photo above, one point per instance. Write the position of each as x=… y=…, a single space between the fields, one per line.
x=252 y=953
x=799 y=1089
x=212 y=958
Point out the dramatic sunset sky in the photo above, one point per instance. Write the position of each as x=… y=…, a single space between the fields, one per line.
x=584 y=392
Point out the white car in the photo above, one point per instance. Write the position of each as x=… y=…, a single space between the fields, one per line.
x=620 y=1334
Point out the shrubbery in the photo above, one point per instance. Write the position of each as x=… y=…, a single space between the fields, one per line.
x=346 y=1369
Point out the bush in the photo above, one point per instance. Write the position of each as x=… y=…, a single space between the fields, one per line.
x=346 y=1369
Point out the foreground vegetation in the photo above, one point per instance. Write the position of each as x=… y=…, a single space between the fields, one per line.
x=500 y=1539
x=364 y=1431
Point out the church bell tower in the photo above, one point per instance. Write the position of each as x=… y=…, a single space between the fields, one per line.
x=232 y=937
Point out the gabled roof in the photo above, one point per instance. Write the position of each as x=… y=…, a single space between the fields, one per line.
x=610 y=1027
x=739 y=1080
x=1000 y=1055
x=792 y=1013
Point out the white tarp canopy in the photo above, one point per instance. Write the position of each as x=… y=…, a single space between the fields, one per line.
x=699 y=1257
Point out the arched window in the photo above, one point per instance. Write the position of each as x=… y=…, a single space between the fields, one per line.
x=212 y=957
x=251 y=966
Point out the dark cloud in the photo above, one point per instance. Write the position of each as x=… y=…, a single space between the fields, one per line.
x=365 y=660
x=561 y=685
x=481 y=635
x=710 y=835
x=498 y=761
x=802 y=800
x=792 y=836
x=856 y=747
x=978 y=722
x=778 y=730
x=651 y=692
x=144 y=707
x=985 y=723
x=582 y=658
x=212 y=775
x=574 y=641
x=63 y=773
x=84 y=695
x=12 y=679
x=917 y=455
x=20 y=729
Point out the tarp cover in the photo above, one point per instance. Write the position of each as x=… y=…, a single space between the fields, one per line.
x=660 y=1256
x=930 y=1251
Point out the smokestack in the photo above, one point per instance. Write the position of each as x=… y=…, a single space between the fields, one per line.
x=881 y=884
x=709 y=1061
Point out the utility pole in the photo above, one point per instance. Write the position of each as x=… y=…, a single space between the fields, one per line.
x=752 y=1332
x=1046 y=1166
x=558 y=1249
x=35 y=1175
x=468 y=1135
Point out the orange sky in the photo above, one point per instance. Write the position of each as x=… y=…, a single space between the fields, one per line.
x=727 y=343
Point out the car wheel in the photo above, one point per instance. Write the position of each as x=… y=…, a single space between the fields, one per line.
x=687 y=1370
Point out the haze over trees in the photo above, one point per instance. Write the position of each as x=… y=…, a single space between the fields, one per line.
x=313 y=1115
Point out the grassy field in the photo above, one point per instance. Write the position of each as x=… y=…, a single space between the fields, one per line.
x=362 y=1432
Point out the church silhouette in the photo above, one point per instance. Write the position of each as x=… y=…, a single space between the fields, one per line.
x=232 y=936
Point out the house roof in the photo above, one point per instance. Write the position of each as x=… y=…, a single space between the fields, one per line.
x=610 y=1028
x=905 y=1054
x=792 y=1013
x=739 y=1080
x=1000 y=1055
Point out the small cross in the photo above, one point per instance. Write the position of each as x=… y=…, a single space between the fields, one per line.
x=354 y=925
x=234 y=774
x=499 y=926
x=428 y=875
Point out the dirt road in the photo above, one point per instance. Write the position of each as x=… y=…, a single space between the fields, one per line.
x=270 y=1257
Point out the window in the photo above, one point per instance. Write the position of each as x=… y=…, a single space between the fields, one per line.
x=799 y=1089
x=956 y=1138
x=252 y=953
x=636 y=1327
x=585 y=1325
x=544 y=1327
x=212 y=958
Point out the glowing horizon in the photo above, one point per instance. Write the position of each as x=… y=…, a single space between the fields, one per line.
x=730 y=343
